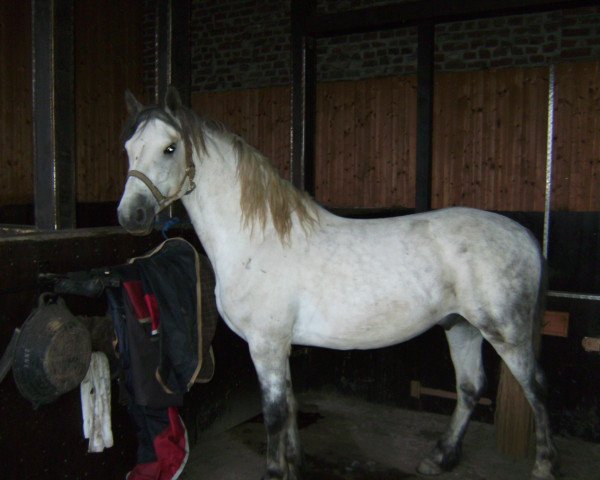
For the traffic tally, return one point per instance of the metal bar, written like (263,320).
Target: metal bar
(405,14)
(173,65)
(302,166)
(53,114)
(574,296)
(549,159)
(163,45)
(548,193)
(181,57)
(425,68)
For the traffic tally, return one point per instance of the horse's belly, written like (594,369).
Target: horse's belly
(362,329)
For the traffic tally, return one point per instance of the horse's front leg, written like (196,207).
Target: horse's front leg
(283,449)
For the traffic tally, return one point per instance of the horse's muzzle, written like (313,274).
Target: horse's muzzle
(138,217)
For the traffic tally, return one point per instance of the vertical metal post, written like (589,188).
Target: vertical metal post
(304,87)
(53,113)
(549,159)
(425,67)
(181,57)
(162,48)
(173,65)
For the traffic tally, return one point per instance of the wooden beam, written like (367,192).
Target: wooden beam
(437,11)
(425,67)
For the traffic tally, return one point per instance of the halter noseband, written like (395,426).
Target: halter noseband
(190,172)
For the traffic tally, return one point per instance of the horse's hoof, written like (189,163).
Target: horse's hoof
(441,459)
(294,473)
(544,477)
(273,476)
(291,474)
(429,467)
(545,471)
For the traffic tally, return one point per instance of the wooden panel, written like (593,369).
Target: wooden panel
(366,143)
(16,153)
(489,146)
(576,174)
(108,59)
(489,143)
(260,116)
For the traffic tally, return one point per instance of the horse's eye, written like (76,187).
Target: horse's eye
(170,149)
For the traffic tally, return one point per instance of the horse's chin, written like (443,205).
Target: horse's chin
(135,227)
(138,232)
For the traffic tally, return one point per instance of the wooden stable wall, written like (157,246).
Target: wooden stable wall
(261,116)
(489,126)
(47,443)
(108,59)
(577,156)
(489,142)
(16,152)
(366,143)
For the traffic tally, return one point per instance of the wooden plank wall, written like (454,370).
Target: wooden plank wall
(16,151)
(489,138)
(489,141)
(489,145)
(576,174)
(356,165)
(108,59)
(108,56)
(261,116)
(366,143)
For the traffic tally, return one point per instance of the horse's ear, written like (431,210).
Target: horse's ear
(172,99)
(133,106)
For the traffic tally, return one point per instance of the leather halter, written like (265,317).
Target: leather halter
(190,172)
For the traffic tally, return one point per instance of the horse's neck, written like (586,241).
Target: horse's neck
(214,207)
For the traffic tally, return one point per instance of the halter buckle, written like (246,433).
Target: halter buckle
(192,187)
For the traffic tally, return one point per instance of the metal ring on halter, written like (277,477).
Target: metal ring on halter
(160,198)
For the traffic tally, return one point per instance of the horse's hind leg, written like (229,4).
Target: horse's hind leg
(465,349)
(520,359)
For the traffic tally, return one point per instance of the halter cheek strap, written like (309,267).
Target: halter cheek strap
(163,201)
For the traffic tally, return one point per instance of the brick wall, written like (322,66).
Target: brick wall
(236,44)
(245,44)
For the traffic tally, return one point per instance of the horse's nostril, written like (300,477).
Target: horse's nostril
(140,215)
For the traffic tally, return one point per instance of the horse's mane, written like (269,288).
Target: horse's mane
(264,192)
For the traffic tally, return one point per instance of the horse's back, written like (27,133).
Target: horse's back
(457,232)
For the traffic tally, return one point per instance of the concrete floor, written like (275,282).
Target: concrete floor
(349,439)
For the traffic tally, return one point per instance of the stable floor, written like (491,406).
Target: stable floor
(349,439)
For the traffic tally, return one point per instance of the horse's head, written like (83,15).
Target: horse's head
(161,169)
